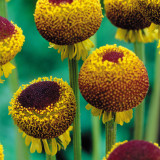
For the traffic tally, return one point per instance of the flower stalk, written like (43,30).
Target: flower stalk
(153,116)
(3,8)
(50,157)
(110,134)
(139,111)
(73,76)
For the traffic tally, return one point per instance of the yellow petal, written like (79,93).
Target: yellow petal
(58,147)
(38,145)
(107,116)
(28,140)
(80,50)
(1,71)
(46,147)
(95,111)
(144,35)
(54,146)
(88,106)
(7,69)
(33,147)
(124,116)
(71,51)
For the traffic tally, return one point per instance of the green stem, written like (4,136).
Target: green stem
(96,132)
(22,150)
(73,76)
(49,157)
(154,109)
(139,112)
(3,8)
(96,137)
(110,134)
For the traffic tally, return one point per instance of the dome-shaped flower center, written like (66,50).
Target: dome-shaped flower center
(60,1)
(112,56)
(136,150)
(6,28)
(40,95)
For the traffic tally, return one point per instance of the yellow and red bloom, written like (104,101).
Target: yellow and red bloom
(68,22)
(11,41)
(134,150)
(1,153)
(132,25)
(44,110)
(113,80)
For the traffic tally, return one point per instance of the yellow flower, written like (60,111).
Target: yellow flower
(113,80)
(126,15)
(11,41)
(7,0)
(44,111)
(68,24)
(1,153)
(134,150)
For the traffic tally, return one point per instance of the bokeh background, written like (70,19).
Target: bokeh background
(37,60)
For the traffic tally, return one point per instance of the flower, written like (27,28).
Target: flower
(134,150)
(126,15)
(11,41)
(150,9)
(44,111)
(68,22)
(113,80)
(1,153)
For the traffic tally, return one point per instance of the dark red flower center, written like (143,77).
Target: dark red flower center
(136,150)
(60,1)
(40,95)
(6,28)
(112,56)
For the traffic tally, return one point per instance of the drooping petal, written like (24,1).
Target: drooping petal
(54,146)
(7,69)
(46,146)
(124,116)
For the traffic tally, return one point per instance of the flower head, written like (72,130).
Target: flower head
(11,41)
(134,150)
(1,153)
(125,14)
(45,109)
(150,9)
(113,79)
(66,22)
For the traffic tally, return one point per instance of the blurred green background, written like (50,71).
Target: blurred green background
(37,60)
